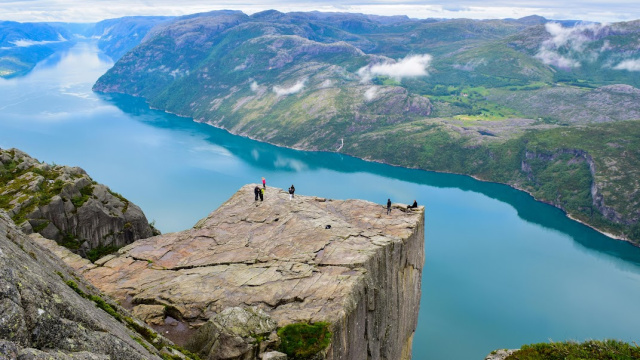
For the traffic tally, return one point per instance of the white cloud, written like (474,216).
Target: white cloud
(296,88)
(550,57)
(410,66)
(629,65)
(572,41)
(254,86)
(96,10)
(371,93)
(27,42)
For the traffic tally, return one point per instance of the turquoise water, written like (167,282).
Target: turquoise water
(501,269)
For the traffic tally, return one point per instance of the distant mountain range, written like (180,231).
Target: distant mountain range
(550,107)
(23,45)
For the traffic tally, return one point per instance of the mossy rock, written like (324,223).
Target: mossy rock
(304,340)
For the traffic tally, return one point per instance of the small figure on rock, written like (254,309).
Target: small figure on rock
(261,194)
(264,183)
(388,206)
(413,206)
(256,192)
(291,191)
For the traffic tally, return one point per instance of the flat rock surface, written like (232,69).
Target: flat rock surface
(278,255)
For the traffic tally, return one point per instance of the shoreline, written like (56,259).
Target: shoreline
(567,214)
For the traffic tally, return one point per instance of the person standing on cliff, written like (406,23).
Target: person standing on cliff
(256,192)
(388,206)
(261,191)
(264,183)
(291,191)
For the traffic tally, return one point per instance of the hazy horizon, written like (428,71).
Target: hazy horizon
(95,10)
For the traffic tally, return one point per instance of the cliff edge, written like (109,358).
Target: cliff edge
(305,260)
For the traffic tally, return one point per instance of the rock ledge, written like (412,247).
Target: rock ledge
(362,275)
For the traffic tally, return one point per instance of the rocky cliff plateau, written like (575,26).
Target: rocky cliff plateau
(279,262)
(64,204)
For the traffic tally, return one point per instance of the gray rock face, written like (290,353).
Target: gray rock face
(362,275)
(64,204)
(41,317)
(231,334)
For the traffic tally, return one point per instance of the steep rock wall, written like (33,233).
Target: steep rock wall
(303,260)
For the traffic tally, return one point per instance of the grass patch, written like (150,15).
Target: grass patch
(104,306)
(85,193)
(592,349)
(72,284)
(101,251)
(70,241)
(121,198)
(41,226)
(303,340)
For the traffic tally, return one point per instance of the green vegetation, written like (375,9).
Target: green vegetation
(70,241)
(85,193)
(104,306)
(304,340)
(72,284)
(41,226)
(101,251)
(121,198)
(184,352)
(558,160)
(593,350)
(482,75)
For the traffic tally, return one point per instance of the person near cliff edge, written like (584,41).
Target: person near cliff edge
(414,205)
(256,192)
(388,206)
(261,191)
(291,191)
(264,183)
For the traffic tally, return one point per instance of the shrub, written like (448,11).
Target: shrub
(303,340)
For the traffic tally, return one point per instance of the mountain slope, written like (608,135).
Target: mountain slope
(465,96)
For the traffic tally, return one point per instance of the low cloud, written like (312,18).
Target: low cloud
(371,93)
(27,42)
(254,86)
(284,91)
(410,66)
(568,43)
(550,57)
(629,65)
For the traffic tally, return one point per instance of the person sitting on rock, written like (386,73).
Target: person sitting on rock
(413,206)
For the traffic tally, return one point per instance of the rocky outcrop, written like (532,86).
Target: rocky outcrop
(500,354)
(64,204)
(576,156)
(41,317)
(303,260)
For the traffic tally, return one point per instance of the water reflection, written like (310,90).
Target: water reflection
(268,157)
(502,270)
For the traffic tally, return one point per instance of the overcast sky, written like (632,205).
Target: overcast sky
(95,10)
